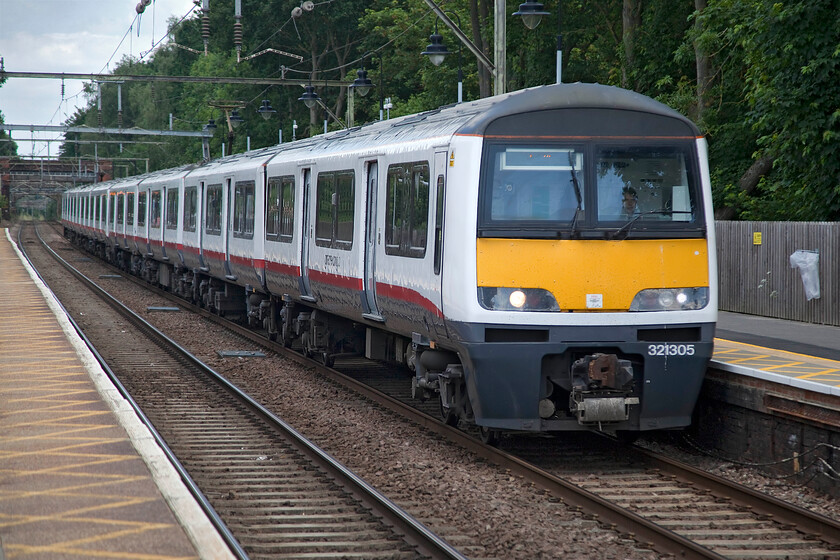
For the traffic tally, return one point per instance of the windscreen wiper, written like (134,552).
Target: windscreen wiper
(629,225)
(578,195)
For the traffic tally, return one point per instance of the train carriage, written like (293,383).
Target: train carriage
(224,237)
(159,193)
(542,260)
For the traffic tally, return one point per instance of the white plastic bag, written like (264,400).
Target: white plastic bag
(808,263)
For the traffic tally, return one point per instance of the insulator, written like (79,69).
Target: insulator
(205,27)
(237,33)
(140,8)
(308,6)
(297,12)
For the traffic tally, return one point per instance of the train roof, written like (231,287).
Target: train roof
(469,118)
(610,101)
(476,117)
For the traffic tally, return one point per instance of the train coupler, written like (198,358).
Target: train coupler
(601,389)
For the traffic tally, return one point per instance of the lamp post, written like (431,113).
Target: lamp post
(437,51)
(231,109)
(205,140)
(532,13)
(362,84)
(531,8)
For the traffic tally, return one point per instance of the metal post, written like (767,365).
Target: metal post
(460,75)
(99,103)
(559,46)
(381,99)
(500,50)
(351,102)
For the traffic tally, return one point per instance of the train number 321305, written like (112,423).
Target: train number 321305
(671,350)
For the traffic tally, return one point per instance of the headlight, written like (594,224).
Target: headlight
(670,299)
(517,299)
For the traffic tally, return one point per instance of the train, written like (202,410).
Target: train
(539,261)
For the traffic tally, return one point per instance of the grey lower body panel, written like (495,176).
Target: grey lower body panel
(510,370)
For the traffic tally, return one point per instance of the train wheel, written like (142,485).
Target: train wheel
(328,359)
(286,334)
(490,436)
(447,415)
(307,350)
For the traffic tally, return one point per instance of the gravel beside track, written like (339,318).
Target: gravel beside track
(464,499)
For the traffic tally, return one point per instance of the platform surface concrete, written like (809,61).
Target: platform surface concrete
(80,476)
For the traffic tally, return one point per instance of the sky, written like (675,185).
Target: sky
(70,36)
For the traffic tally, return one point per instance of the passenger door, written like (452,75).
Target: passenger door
(307,237)
(371,235)
(438,197)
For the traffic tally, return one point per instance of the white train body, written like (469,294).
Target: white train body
(452,241)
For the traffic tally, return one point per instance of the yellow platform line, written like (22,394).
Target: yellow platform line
(753,355)
(764,348)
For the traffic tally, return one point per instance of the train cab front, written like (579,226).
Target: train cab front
(595,305)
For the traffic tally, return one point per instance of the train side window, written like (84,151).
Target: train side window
(407,209)
(439,223)
(244,209)
(335,209)
(190,208)
(141,209)
(172,209)
(129,209)
(213,210)
(120,219)
(155,209)
(280,209)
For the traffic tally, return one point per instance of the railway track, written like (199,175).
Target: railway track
(670,507)
(271,492)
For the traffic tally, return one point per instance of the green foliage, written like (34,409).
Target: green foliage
(772,90)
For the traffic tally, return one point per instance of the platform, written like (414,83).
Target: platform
(789,353)
(80,476)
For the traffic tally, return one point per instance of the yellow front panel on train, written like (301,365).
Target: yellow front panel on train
(573,269)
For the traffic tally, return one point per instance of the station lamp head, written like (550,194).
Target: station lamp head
(436,51)
(362,85)
(266,110)
(309,97)
(235,119)
(531,12)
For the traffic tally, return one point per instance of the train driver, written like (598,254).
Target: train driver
(629,203)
